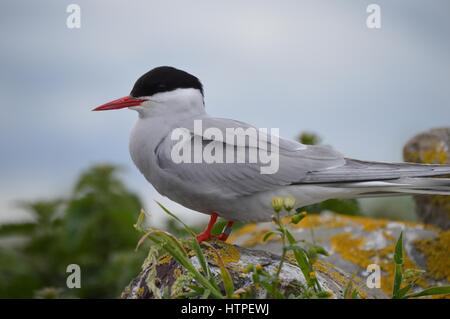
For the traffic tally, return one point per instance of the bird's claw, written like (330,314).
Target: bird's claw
(223,237)
(204,237)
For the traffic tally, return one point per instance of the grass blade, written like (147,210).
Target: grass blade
(398,256)
(398,276)
(176,250)
(226,277)
(168,212)
(268,235)
(441,290)
(201,258)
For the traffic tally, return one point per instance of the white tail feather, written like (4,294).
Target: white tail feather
(407,185)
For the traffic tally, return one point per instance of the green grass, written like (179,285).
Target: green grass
(403,284)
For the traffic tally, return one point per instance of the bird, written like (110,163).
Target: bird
(168,99)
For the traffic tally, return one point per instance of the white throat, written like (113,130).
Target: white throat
(158,116)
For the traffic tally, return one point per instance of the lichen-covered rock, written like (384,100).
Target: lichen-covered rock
(431,147)
(356,242)
(352,242)
(163,277)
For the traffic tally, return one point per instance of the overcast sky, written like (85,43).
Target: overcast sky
(294,65)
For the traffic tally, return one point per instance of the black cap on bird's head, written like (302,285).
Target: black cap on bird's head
(164,79)
(158,80)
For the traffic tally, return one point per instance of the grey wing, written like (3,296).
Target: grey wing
(295,161)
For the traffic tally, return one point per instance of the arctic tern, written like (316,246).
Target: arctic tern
(167,99)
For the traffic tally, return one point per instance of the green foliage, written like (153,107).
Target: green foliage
(404,281)
(309,138)
(398,272)
(350,291)
(91,228)
(205,284)
(302,256)
(341,206)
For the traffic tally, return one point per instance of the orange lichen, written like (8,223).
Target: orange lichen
(368,224)
(437,255)
(336,221)
(257,238)
(246,229)
(388,235)
(352,249)
(228,253)
(435,152)
(254,235)
(311,221)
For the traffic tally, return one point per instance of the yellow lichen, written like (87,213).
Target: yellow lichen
(181,284)
(438,156)
(337,221)
(368,224)
(140,292)
(254,235)
(229,254)
(246,229)
(436,153)
(312,221)
(330,270)
(257,238)
(177,272)
(388,235)
(351,248)
(165,259)
(437,255)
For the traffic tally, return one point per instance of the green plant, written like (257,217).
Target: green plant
(303,257)
(350,291)
(342,206)
(309,138)
(405,280)
(91,227)
(205,283)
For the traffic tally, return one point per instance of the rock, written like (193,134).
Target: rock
(353,244)
(166,276)
(431,147)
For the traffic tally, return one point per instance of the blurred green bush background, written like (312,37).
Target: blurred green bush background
(93,228)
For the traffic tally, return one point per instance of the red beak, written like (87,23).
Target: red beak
(121,103)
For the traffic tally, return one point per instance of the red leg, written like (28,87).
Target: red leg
(226,231)
(206,234)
